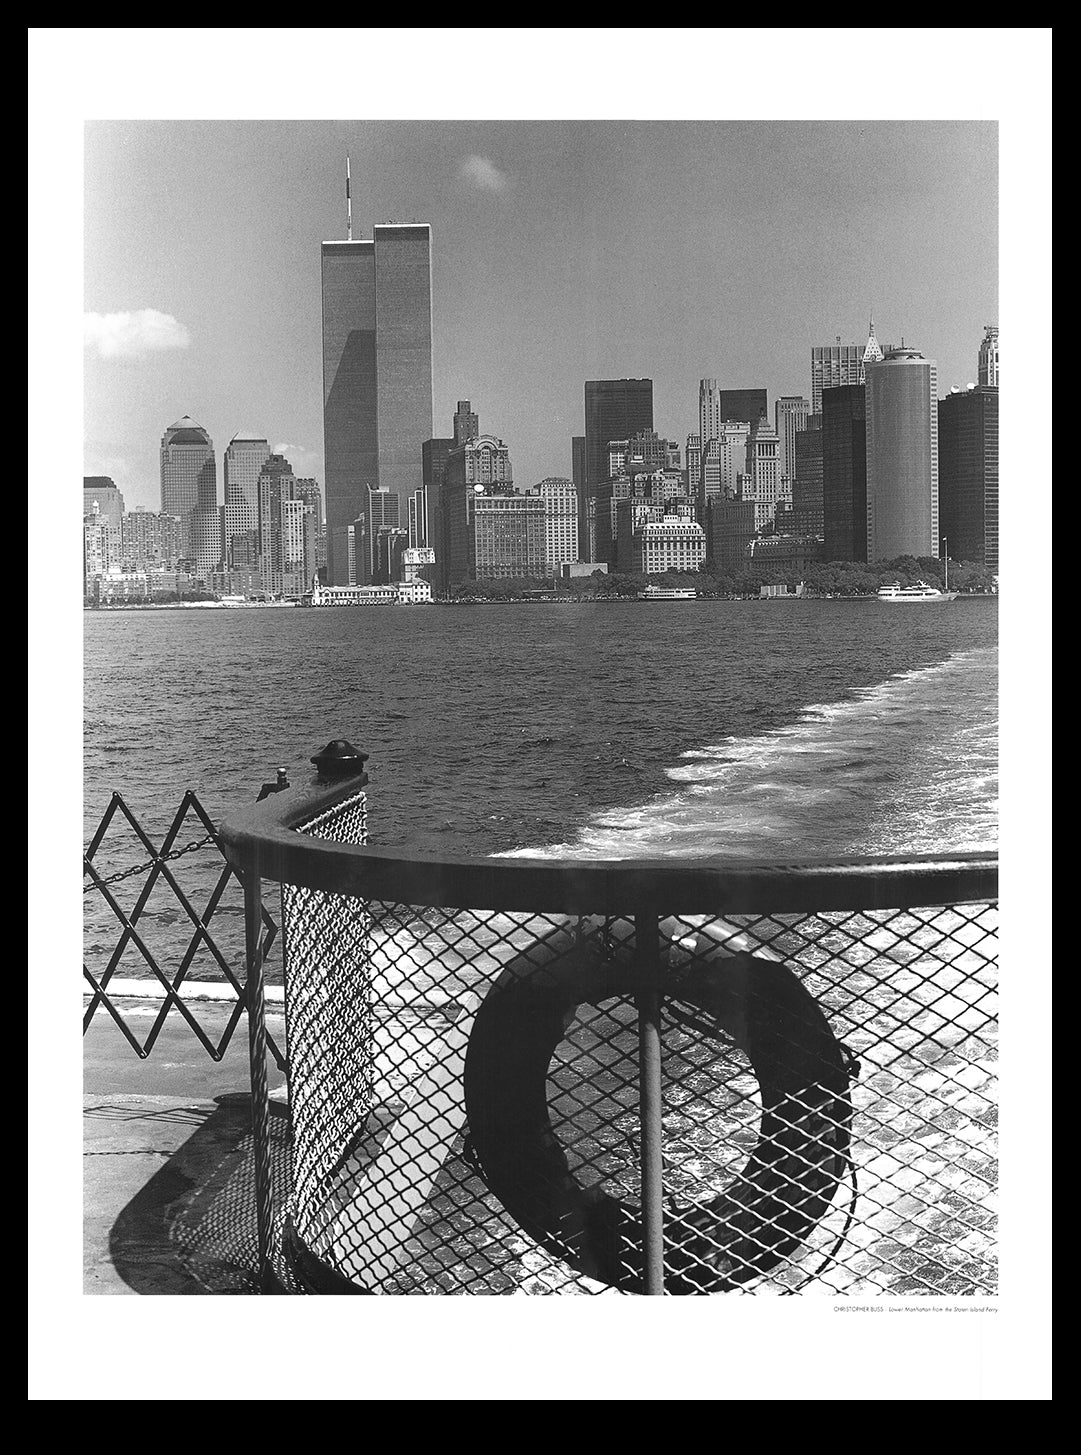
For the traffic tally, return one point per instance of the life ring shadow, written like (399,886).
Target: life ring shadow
(766,1214)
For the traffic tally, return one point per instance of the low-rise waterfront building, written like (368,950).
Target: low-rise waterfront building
(397,593)
(792,554)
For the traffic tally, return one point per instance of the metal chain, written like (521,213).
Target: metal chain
(160,859)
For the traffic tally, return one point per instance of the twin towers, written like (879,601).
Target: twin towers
(377,373)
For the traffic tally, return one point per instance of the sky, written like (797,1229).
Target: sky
(707,237)
(561,251)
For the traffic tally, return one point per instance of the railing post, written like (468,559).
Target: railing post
(648,1004)
(257,1052)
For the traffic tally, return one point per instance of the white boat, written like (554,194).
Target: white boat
(667,593)
(919,592)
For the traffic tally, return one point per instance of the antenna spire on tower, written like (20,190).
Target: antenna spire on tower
(348,206)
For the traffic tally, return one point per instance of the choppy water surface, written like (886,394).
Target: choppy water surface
(753,729)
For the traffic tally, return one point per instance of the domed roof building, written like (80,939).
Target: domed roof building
(189,487)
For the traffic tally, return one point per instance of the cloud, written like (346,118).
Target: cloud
(483,174)
(127,335)
(307,464)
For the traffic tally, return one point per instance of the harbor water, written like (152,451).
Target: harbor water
(746,729)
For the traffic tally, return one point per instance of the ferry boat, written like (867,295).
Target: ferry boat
(668,593)
(894,591)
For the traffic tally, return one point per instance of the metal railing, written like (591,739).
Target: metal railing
(180,953)
(665,1077)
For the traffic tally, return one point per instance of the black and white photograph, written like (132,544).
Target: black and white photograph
(533,710)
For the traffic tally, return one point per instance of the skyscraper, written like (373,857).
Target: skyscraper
(308,490)
(844,473)
(807,486)
(276,485)
(244,458)
(466,423)
(478,467)
(561,521)
(762,482)
(902,456)
(722,406)
(377,372)
(872,353)
(790,416)
(418,517)
(968,474)
(615,410)
(189,481)
(988,360)
(578,475)
(748,405)
(381,511)
(833,365)
(100,490)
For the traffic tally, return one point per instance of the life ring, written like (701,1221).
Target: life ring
(788,1183)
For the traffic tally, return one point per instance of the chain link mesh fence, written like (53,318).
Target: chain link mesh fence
(466,1108)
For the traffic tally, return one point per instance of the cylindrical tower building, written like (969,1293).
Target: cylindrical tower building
(902,456)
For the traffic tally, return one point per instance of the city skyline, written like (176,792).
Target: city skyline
(520,322)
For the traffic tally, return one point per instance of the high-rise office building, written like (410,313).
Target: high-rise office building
(987,377)
(418,518)
(561,521)
(807,486)
(844,473)
(297,546)
(101,491)
(872,352)
(377,372)
(308,490)
(717,407)
(391,543)
(730,529)
(150,541)
(693,456)
(724,460)
(244,458)
(709,410)
(206,543)
(506,535)
(832,366)
(476,468)
(466,423)
(902,456)
(615,409)
(968,474)
(434,454)
(645,451)
(578,475)
(275,486)
(381,511)
(748,405)
(789,416)
(189,481)
(762,482)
